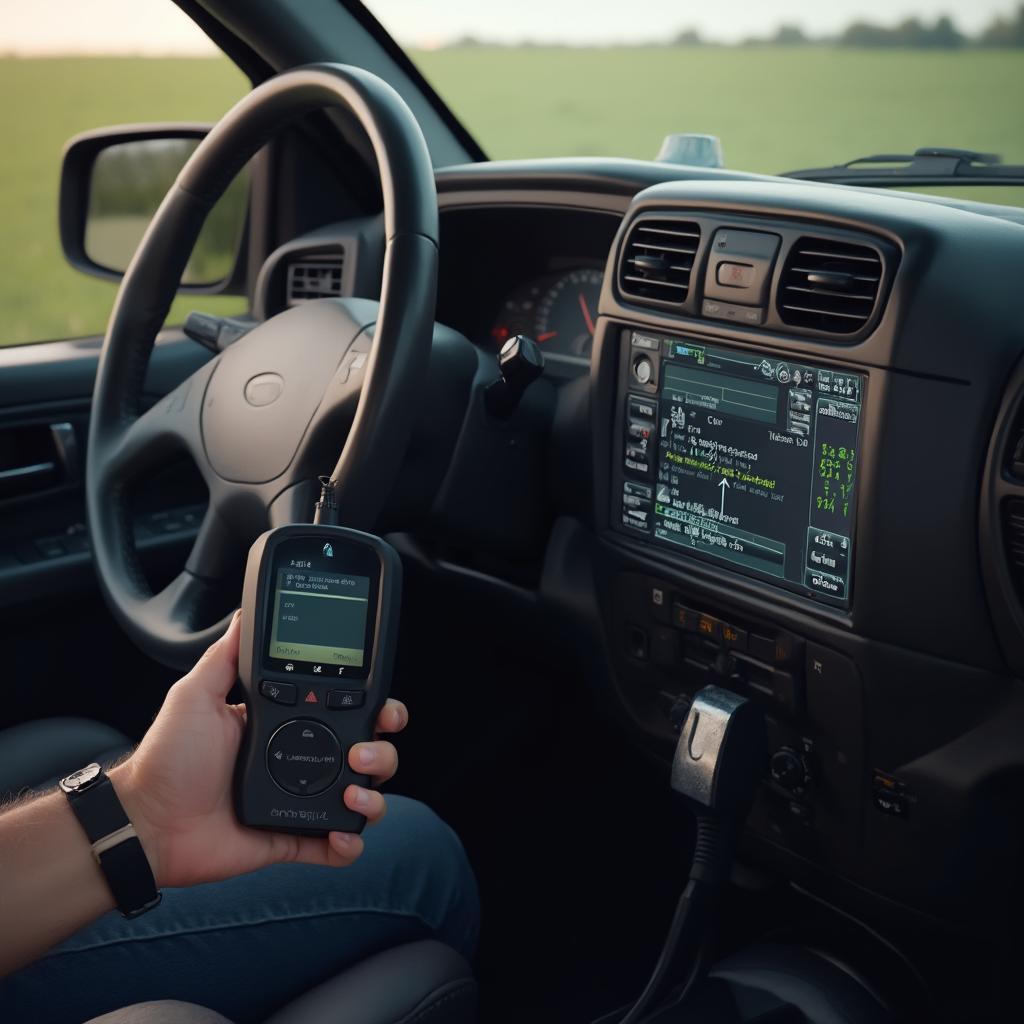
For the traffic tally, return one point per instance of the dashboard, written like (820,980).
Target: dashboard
(788,412)
(777,448)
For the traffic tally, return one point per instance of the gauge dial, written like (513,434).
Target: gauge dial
(518,314)
(567,311)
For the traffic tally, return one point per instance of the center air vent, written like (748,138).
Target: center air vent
(829,286)
(657,260)
(314,278)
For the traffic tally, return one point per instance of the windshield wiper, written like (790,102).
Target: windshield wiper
(931,165)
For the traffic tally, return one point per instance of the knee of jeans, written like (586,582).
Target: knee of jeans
(429,867)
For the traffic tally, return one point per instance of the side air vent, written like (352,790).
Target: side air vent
(658,259)
(314,278)
(829,286)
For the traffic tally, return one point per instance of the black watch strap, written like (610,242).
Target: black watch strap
(115,845)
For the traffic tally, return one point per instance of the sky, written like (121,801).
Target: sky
(33,27)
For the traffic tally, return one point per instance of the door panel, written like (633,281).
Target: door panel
(63,650)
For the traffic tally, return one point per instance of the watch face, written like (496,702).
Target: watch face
(80,779)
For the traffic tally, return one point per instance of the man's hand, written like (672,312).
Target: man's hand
(176,787)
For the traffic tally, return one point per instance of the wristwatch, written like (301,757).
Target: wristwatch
(115,844)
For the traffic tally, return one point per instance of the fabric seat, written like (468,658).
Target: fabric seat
(34,755)
(419,983)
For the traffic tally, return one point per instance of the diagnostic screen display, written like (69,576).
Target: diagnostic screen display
(754,464)
(318,622)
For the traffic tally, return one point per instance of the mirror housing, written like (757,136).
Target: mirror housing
(113,180)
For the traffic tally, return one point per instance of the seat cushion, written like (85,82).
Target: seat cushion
(422,982)
(36,754)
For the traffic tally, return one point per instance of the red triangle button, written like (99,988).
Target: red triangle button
(311,697)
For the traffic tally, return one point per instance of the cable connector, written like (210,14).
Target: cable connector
(326,509)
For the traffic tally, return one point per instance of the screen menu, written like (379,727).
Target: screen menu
(318,622)
(748,460)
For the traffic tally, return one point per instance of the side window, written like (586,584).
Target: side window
(64,70)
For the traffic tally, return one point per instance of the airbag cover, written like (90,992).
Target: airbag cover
(268,385)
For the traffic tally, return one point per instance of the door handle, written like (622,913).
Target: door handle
(27,472)
(49,458)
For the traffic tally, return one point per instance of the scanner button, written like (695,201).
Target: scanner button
(344,699)
(304,757)
(279,693)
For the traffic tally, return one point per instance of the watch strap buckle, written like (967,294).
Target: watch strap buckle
(113,839)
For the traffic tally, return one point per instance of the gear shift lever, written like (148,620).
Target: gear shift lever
(720,757)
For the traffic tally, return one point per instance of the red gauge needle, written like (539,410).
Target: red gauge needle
(547,335)
(588,320)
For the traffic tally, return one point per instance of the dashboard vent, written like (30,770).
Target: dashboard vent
(314,278)
(658,259)
(829,286)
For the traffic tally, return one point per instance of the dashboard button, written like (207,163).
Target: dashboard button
(761,647)
(732,311)
(636,518)
(735,275)
(734,637)
(660,605)
(788,648)
(708,626)
(777,687)
(642,409)
(664,647)
(645,341)
(824,583)
(279,693)
(684,618)
(636,495)
(643,370)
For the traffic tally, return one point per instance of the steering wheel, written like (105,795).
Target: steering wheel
(268,414)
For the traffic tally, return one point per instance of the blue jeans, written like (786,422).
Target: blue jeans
(246,946)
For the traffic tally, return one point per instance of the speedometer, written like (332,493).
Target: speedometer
(567,311)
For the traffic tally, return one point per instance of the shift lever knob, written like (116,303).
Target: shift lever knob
(521,362)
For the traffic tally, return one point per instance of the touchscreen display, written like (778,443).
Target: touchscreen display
(754,465)
(319,617)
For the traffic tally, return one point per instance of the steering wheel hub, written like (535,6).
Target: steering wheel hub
(268,386)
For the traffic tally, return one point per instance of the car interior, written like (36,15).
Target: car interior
(637,429)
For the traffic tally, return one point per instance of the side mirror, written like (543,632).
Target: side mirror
(113,180)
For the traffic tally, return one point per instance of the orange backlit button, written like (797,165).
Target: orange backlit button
(733,637)
(684,618)
(710,627)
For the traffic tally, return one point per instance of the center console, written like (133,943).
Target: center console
(733,463)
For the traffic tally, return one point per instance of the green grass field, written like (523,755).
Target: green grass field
(775,109)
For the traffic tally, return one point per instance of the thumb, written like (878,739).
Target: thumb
(217,670)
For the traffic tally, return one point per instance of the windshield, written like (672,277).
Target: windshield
(784,84)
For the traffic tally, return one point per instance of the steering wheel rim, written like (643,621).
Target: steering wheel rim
(123,444)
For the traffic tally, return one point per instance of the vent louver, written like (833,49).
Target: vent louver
(829,286)
(658,259)
(318,278)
